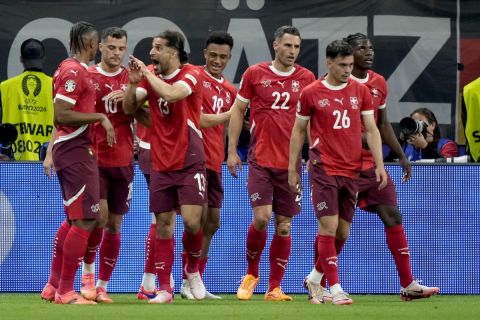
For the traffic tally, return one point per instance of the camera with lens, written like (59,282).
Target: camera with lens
(8,135)
(410,126)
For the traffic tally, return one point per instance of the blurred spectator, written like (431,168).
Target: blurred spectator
(471,118)
(26,102)
(421,138)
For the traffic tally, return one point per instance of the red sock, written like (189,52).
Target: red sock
(109,251)
(202,264)
(279,254)
(184,264)
(164,255)
(150,250)
(93,244)
(57,259)
(255,244)
(397,243)
(192,244)
(327,255)
(318,265)
(74,249)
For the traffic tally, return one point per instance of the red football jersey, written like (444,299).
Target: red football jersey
(143,133)
(378,89)
(176,140)
(72,83)
(121,153)
(273,96)
(335,124)
(217,97)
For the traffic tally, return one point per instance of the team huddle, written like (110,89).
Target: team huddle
(181,150)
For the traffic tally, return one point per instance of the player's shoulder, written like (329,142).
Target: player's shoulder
(314,86)
(72,68)
(304,71)
(376,78)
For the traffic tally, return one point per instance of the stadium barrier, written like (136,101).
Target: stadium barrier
(440,206)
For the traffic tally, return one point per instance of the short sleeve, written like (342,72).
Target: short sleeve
(70,84)
(245,91)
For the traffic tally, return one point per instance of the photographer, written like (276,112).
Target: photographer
(421,137)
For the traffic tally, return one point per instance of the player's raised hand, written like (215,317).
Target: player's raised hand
(107,125)
(135,74)
(294,182)
(138,64)
(382,177)
(234,162)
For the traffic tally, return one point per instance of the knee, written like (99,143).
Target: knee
(391,216)
(261,223)
(283,228)
(342,234)
(211,227)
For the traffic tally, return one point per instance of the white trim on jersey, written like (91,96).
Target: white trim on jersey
(332,87)
(383,106)
(192,125)
(253,126)
(108,74)
(239,97)
(144,145)
(302,117)
(186,85)
(281,73)
(75,197)
(72,135)
(317,141)
(361,80)
(191,78)
(221,80)
(64,98)
(171,75)
(366,112)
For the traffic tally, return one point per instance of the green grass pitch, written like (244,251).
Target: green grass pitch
(16,306)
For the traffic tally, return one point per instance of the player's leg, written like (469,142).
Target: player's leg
(148,289)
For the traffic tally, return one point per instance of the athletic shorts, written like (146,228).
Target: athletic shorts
(332,195)
(171,189)
(116,187)
(369,195)
(144,160)
(80,189)
(269,186)
(214,189)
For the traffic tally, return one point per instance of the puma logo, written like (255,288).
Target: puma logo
(251,254)
(74,72)
(160,265)
(109,86)
(219,89)
(339,101)
(281,83)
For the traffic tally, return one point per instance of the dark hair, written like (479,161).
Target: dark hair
(114,32)
(338,48)
(353,39)
(427,113)
(286,29)
(219,37)
(79,34)
(175,40)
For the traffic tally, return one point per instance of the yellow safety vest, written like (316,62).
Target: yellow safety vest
(471,96)
(27,103)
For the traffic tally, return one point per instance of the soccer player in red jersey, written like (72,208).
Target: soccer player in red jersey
(115,163)
(218,95)
(384,202)
(75,162)
(272,90)
(178,157)
(336,107)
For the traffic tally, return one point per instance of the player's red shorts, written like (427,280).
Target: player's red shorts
(80,189)
(332,195)
(214,189)
(369,195)
(171,189)
(116,187)
(269,186)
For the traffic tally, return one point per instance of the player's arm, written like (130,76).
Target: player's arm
(48,165)
(142,115)
(234,129)
(388,136)
(374,142)
(133,99)
(296,143)
(208,120)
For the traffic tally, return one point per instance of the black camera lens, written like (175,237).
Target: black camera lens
(8,134)
(408,126)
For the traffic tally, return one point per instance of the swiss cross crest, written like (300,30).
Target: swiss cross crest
(228,98)
(295,86)
(354,102)
(266,83)
(123,86)
(375,92)
(207,84)
(96,86)
(322,103)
